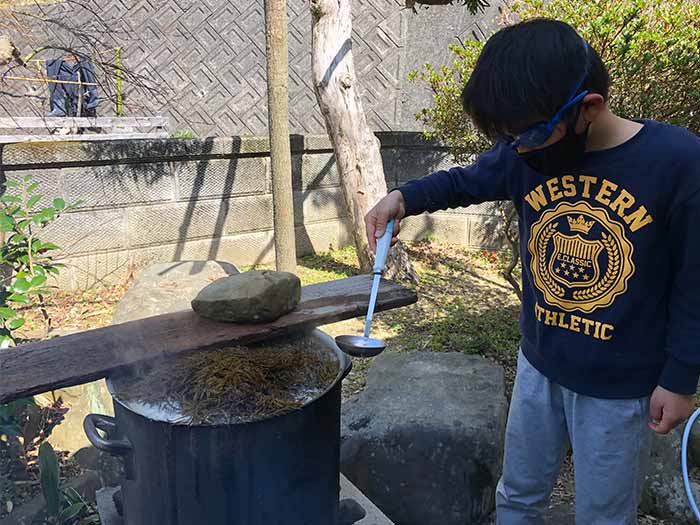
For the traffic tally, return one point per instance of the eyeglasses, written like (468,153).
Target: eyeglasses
(540,133)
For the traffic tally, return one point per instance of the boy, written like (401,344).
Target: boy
(611,267)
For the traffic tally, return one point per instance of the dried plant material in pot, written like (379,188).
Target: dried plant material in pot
(237,384)
(249,297)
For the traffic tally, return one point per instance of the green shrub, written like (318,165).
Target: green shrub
(650,48)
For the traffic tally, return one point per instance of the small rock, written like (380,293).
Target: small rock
(250,297)
(109,514)
(108,467)
(424,440)
(664,493)
(350,512)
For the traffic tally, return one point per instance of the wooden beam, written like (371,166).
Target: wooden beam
(79,358)
(81,122)
(14,139)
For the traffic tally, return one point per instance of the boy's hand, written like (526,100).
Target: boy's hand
(391,206)
(668,409)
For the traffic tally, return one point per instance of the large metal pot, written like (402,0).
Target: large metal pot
(282,470)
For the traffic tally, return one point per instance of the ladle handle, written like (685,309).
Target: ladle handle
(383,245)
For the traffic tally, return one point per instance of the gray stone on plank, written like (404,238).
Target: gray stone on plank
(424,440)
(249,297)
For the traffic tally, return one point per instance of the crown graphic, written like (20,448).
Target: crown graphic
(579,224)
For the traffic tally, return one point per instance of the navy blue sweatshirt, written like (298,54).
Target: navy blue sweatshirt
(611,259)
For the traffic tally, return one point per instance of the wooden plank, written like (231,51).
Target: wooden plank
(14,139)
(81,122)
(74,359)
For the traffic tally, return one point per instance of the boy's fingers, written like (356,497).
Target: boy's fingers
(656,409)
(397,230)
(380,226)
(370,226)
(666,425)
(655,413)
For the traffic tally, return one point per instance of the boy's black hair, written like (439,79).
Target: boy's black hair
(526,73)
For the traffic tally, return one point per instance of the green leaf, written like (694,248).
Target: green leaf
(11,184)
(11,430)
(21,285)
(37,280)
(27,178)
(16,324)
(49,472)
(7,313)
(6,223)
(10,199)
(71,512)
(33,200)
(48,246)
(23,402)
(18,298)
(59,203)
(32,187)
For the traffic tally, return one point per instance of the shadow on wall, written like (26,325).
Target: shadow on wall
(204,198)
(182,199)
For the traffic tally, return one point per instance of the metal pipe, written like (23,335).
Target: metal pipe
(50,81)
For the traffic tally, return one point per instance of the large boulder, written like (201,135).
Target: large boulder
(169,287)
(424,440)
(664,493)
(250,297)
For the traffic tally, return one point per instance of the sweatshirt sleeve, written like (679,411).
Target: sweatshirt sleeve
(682,367)
(483,181)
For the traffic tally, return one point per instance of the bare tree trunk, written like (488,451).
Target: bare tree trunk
(278,119)
(356,147)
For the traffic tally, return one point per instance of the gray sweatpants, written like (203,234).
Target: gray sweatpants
(610,440)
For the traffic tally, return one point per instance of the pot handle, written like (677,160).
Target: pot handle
(108,425)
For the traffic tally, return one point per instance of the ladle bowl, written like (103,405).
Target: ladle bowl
(360,346)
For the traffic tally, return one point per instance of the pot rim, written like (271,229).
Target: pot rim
(344,367)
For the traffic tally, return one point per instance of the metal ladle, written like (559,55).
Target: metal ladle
(366,346)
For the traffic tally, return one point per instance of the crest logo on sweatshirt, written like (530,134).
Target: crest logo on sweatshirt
(581,258)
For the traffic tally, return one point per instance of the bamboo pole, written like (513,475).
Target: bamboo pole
(51,81)
(118,63)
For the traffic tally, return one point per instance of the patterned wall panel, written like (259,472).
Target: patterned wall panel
(207,59)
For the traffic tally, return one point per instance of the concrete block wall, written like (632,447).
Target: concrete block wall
(167,200)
